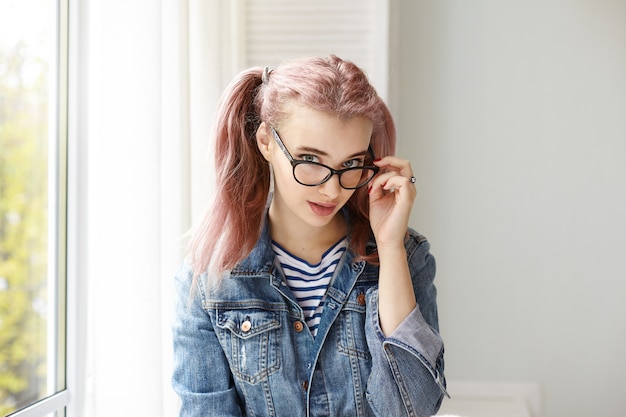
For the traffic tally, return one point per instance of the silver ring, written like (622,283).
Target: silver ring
(412,179)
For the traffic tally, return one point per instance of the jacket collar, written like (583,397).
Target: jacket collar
(261,258)
(260,261)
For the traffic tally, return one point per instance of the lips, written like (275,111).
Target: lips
(322,209)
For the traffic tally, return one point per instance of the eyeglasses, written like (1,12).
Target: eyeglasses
(312,173)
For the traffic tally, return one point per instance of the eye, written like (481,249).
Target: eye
(353,163)
(308,158)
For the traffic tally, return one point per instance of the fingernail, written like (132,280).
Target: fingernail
(377,159)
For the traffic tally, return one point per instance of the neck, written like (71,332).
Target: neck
(304,241)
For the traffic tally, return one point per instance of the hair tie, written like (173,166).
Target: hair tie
(266,75)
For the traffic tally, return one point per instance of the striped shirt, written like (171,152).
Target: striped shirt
(309,282)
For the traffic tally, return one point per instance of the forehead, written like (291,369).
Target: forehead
(305,126)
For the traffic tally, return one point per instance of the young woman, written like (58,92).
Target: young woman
(305,293)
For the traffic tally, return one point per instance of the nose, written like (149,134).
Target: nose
(331,188)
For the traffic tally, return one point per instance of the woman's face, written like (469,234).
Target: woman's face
(312,135)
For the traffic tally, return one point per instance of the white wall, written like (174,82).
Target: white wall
(514,115)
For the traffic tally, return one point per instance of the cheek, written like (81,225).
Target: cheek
(281,167)
(348,194)
(284,181)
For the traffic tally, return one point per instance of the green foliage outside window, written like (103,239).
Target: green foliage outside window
(23,228)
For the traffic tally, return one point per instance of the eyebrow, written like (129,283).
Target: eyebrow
(322,153)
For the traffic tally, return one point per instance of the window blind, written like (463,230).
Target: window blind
(276,30)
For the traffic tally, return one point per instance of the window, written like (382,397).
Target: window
(32,207)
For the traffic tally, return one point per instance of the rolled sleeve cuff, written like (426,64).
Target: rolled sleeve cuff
(415,336)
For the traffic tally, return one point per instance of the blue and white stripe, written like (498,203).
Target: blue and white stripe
(309,282)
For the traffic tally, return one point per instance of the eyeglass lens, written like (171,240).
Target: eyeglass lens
(315,174)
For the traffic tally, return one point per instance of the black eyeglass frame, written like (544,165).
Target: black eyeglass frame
(339,172)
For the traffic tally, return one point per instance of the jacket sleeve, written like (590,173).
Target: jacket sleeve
(407,367)
(201,376)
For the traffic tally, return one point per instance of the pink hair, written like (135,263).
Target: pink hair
(233,225)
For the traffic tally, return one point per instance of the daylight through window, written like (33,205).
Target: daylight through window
(32,205)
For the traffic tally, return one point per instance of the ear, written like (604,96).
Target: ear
(263,140)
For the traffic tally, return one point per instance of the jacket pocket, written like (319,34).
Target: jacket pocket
(249,338)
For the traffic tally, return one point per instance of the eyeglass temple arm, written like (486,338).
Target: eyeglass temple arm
(281,145)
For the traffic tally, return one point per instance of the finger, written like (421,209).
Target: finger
(391,183)
(377,186)
(392,163)
(401,185)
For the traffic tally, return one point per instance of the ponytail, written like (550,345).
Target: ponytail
(232,226)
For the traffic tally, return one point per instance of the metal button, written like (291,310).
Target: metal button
(246,326)
(305,385)
(361,299)
(298,326)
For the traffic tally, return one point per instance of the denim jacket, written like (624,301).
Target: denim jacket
(243,348)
